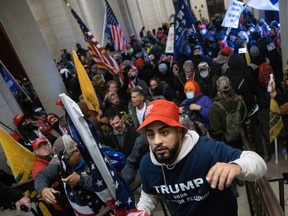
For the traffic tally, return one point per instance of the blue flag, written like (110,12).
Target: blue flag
(184,19)
(10,81)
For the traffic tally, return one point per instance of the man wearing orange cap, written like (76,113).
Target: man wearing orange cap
(192,174)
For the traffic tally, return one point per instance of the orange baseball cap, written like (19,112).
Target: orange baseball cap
(164,111)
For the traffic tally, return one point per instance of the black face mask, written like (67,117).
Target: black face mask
(197,56)
(28,127)
(55,125)
(156,91)
(132,77)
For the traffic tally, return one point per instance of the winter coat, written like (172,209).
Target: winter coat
(217,121)
(201,115)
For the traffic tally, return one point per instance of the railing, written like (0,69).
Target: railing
(262,200)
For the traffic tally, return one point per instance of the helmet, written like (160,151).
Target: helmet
(37,142)
(18,118)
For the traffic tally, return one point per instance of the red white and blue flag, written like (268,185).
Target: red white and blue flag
(107,184)
(98,53)
(114,30)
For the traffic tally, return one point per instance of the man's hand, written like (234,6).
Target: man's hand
(23,201)
(273,94)
(181,110)
(72,179)
(221,175)
(48,195)
(175,69)
(194,107)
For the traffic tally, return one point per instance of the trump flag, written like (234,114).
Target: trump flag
(184,19)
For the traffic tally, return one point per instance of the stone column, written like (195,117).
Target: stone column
(32,51)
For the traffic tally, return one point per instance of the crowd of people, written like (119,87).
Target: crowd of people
(167,110)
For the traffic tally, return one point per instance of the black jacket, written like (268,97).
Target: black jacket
(9,194)
(130,134)
(242,82)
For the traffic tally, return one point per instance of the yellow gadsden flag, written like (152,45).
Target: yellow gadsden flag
(87,89)
(276,123)
(20,159)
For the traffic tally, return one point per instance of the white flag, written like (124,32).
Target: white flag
(232,16)
(264,4)
(170,41)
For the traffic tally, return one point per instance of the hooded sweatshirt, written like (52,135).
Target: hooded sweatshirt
(183,184)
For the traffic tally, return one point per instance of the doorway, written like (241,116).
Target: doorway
(215,7)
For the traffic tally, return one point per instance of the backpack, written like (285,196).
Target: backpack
(264,71)
(233,122)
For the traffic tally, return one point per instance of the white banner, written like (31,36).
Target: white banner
(170,41)
(232,16)
(264,4)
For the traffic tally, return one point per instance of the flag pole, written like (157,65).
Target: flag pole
(16,81)
(104,22)
(66,2)
(82,128)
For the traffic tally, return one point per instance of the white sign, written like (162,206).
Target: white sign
(232,16)
(170,41)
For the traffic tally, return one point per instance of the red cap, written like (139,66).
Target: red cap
(59,102)
(50,118)
(37,142)
(18,118)
(164,111)
(139,63)
(226,50)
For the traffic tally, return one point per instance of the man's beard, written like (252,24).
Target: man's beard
(171,157)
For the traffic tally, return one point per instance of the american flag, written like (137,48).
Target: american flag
(98,53)
(113,28)
(122,200)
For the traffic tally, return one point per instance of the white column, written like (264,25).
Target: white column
(32,51)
